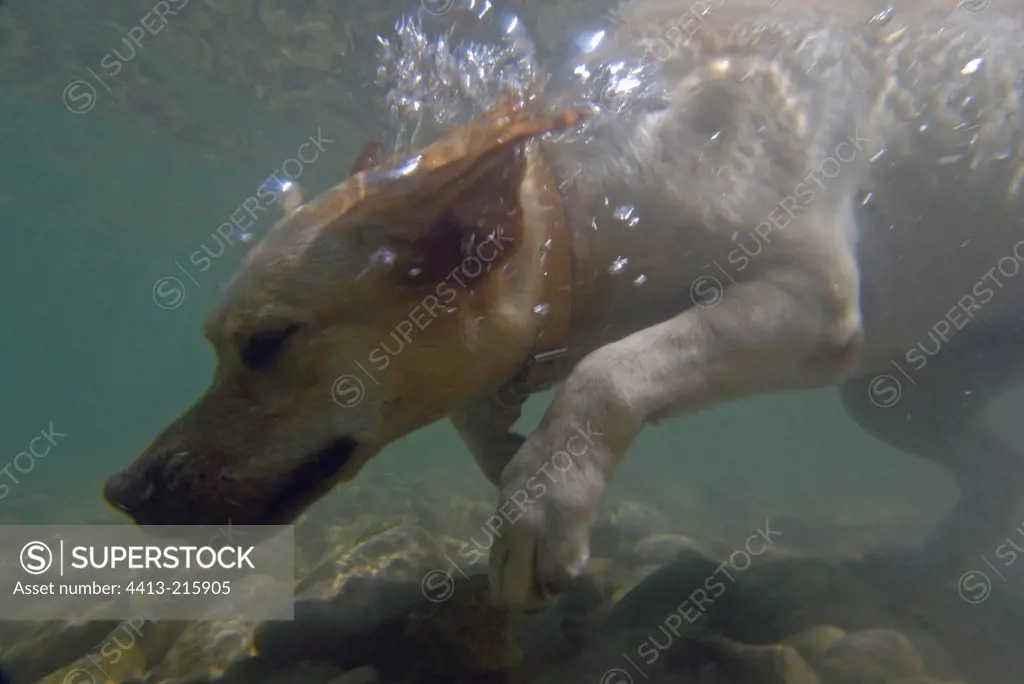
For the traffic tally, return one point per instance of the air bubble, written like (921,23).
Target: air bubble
(618,266)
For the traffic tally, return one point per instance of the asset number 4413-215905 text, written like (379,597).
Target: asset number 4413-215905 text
(179,588)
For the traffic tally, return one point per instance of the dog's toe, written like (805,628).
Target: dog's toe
(512,568)
(560,562)
(529,566)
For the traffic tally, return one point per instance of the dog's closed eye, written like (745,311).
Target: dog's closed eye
(261,349)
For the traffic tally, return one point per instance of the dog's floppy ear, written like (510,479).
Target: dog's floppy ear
(291,196)
(473,159)
(371,156)
(437,206)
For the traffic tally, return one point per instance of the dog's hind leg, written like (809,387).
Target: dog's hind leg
(941,417)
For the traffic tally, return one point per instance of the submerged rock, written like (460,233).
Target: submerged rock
(815,642)
(666,657)
(394,602)
(825,539)
(938,659)
(620,525)
(737,663)
(785,597)
(358,598)
(562,627)
(665,548)
(811,608)
(254,671)
(465,634)
(669,590)
(106,662)
(360,675)
(54,645)
(206,649)
(317,539)
(622,581)
(402,553)
(871,656)
(397,627)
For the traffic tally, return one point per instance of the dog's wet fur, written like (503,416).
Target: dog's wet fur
(727,123)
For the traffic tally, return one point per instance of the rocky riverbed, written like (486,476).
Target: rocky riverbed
(390,589)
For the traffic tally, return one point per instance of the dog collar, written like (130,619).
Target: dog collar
(540,371)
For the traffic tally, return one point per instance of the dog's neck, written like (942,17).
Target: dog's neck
(548,229)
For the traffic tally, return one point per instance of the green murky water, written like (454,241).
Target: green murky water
(98,212)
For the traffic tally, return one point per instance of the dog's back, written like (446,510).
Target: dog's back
(723,110)
(932,89)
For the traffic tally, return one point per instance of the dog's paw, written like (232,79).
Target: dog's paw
(548,506)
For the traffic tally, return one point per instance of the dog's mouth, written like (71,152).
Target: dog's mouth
(163,491)
(309,481)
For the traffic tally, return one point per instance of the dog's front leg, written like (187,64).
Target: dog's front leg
(492,447)
(791,327)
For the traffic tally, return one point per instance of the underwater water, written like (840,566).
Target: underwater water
(111,261)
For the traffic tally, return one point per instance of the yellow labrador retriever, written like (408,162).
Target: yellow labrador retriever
(749,199)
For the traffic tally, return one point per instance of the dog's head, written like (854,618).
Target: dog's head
(380,306)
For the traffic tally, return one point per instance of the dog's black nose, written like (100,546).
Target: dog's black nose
(130,490)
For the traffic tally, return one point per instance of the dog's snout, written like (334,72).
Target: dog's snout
(131,490)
